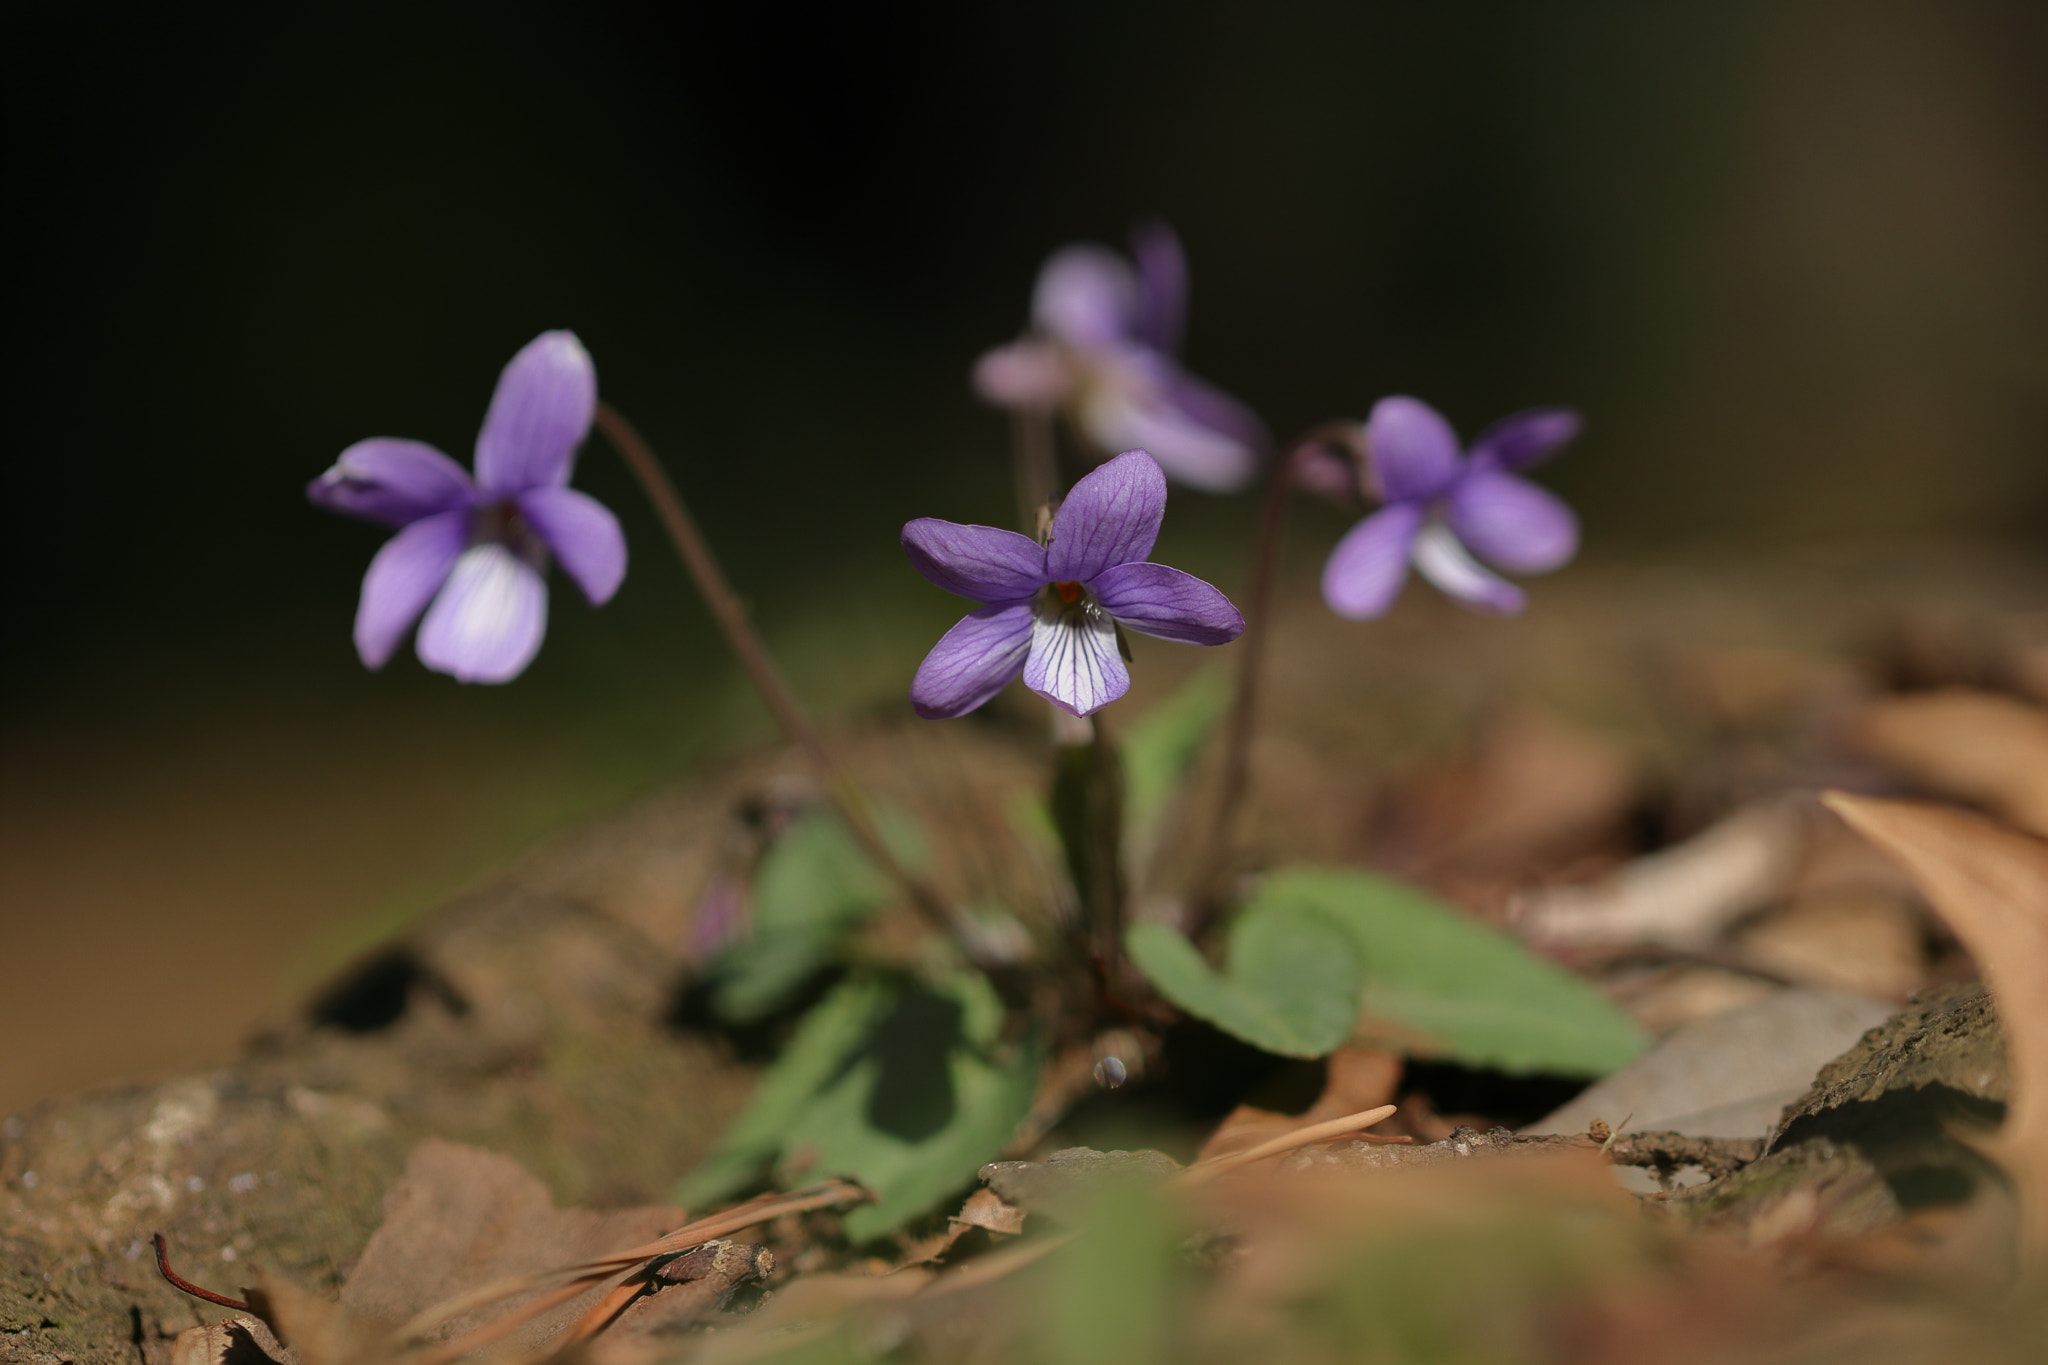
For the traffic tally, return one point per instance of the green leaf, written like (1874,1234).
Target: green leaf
(814,886)
(1158,751)
(1291,986)
(1114,1296)
(1438,982)
(899,1085)
(829,1034)
(919,1108)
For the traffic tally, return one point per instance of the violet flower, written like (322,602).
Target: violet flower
(1051,611)
(1102,345)
(1442,508)
(471,554)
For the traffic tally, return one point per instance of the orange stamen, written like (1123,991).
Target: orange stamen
(1069,591)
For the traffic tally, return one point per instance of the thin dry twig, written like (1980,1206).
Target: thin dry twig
(566,1281)
(1286,1142)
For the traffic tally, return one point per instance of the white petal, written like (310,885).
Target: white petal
(487,624)
(1075,663)
(1443,560)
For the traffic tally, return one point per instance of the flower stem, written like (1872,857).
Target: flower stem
(1033,452)
(1258,610)
(731,615)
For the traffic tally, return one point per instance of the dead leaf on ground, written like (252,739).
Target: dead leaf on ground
(986,1209)
(1359,1078)
(319,1331)
(1684,896)
(1864,942)
(241,1340)
(1976,746)
(1991,884)
(461,1217)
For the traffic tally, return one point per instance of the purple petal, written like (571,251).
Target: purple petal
(1191,453)
(1414,452)
(1111,517)
(584,535)
(1211,407)
(972,662)
(1025,374)
(487,623)
(1086,296)
(404,576)
(1525,438)
(1512,523)
(1075,663)
(1369,565)
(983,563)
(393,481)
(1443,561)
(1161,317)
(539,415)
(1155,600)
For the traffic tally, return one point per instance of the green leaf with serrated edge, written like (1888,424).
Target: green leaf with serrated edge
(1290,984)
(919,1108)
(1158,751)
(828,1035)
(1445,984)
(814,886)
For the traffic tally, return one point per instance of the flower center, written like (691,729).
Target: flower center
(1066,599)
(501,523)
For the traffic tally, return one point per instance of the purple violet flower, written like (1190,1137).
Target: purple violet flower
(1102,343)
(1443,507)
(471,554)
(1051,611)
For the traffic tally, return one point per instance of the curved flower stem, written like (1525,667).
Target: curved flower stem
(1237,732)
(1034,454)
(731,615)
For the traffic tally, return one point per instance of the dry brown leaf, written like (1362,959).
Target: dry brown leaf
(1977,746)
(241,1340)
(461,1217)
(986,1209)
(1684,896)
(1863,942)
(320,1331)
(1991,885)
(1359,1078)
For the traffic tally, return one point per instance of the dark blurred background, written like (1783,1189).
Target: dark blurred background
(1791,258)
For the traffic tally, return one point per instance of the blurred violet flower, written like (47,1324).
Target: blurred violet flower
(471,553)
(1442,507)
(1051,611)
(1102,344)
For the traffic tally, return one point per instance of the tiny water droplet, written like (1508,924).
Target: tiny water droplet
(1110,1073)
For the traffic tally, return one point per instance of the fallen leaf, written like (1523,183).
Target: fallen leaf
(1976,746)
(986,1209)
(240,1340)
(1991,885)
(1728,1076)
(1684,896)
(320,1331)
(1863,942)
(460,1217)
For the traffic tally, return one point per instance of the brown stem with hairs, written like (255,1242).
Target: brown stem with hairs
(1258,607)
(1034,454)
(731,614)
